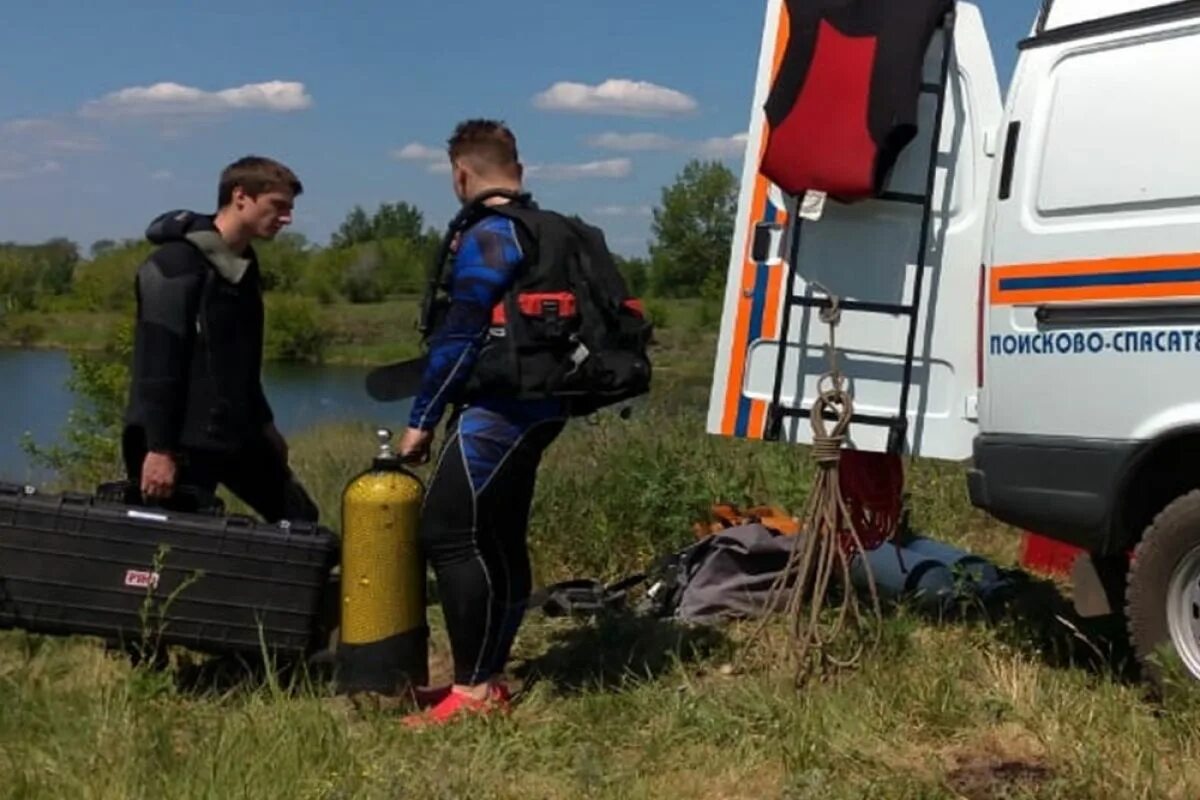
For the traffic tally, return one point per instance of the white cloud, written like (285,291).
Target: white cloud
(31,147)
(437,163)
(715,147)
(161,175)
(15,167)
(174,98)
(615,96)
(624,211)
(610,168)
(27,125)
(721,146)
(415,151)
(46,135)
(75,143)
(633,142)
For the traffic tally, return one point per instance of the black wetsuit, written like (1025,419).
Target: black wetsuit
(196,389)
(473,527)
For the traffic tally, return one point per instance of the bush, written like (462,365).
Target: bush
(709,315)
(636,272)
(282,262)
(362,280)
(100,383)
(18,284)
(295,330)
(404,265)
(659,312)
(323,275)
(106,283)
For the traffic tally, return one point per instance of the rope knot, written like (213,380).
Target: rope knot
(827,450)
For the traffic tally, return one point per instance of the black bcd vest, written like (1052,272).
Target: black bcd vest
(568,328)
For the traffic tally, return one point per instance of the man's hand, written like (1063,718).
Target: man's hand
(276,440)
(158,475)
(414,445)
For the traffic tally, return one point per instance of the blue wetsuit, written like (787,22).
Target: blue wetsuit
(476,514)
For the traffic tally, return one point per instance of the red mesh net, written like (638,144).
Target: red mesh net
(872,487)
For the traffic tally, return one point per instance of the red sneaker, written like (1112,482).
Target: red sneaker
(456,704)
(428,696)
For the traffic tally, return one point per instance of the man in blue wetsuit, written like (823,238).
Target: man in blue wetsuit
(476,513)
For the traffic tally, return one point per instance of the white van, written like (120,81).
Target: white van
(1056,342)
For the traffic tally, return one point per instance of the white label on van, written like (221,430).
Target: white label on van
(141,579)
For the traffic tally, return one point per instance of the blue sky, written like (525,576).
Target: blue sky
(115,111)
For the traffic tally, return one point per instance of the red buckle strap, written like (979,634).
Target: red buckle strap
(546,304)
(539,305)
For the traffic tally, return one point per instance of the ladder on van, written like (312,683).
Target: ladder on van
(897,425)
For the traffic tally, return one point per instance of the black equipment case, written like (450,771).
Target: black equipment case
(90,565)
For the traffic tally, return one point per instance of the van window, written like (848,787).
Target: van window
(1120,132)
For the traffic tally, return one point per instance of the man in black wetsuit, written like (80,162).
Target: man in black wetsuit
(197,415)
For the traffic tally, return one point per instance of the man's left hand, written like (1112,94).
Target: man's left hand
(276,440)
(414,445)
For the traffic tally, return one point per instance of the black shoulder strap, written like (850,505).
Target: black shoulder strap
(471,212)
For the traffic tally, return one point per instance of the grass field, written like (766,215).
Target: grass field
(1022,702)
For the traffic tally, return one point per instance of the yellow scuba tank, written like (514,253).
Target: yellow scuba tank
(383,643)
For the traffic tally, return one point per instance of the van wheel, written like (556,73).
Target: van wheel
(1163,593)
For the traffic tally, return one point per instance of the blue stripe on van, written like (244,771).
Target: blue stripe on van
(757,308)
(1184,275)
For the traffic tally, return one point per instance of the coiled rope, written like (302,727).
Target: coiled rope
(829,540)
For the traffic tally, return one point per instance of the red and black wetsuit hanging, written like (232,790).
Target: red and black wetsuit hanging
(844,101)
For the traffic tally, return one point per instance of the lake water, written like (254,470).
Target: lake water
(37,400)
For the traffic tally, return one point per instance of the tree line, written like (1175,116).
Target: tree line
(378,254)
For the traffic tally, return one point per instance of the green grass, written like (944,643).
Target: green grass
(374,333)
(59,330)
(1025,701)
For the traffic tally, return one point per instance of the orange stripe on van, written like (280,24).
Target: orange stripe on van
(781,39)
(770,329)
(1129,278)
(741,337)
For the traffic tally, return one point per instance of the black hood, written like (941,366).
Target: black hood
(199,231)
(174,226)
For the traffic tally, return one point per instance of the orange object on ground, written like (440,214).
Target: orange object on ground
(725,516)
(872,487)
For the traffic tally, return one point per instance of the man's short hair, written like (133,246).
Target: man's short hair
(488,142)
(256,175)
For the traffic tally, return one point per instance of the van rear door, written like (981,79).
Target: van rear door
(867,252)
